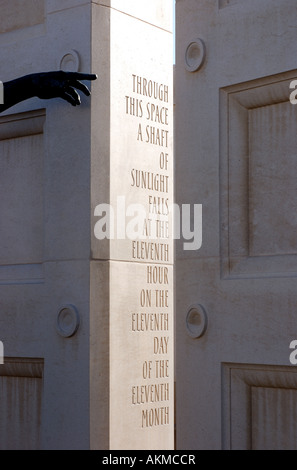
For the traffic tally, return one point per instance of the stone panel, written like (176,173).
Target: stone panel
(274,409)
(272,181)
(259,407)
(20,404)
(21,198)
(19,14)
(258,189)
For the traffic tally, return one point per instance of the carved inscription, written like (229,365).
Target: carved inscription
(154,318)
(144,105)
(148,102)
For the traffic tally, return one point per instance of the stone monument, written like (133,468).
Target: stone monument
(86,254)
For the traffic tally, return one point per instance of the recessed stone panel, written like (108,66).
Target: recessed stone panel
(274,409)
(20,405)
(21,200)
(259,407)
(258,188)
(272,180)
(18,14)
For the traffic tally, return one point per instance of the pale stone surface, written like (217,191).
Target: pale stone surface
(234,145)
(20,406)
(131,154)
(141,356)
(56,5)
(272,200)
(260,411)
(18,14)
(58,164)
(21,229)
(32,294)
(155,12)
(141,134)
(118,151)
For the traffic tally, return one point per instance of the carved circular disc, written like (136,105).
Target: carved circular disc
(195,55)
(196,321)
(70,62)
(68,321)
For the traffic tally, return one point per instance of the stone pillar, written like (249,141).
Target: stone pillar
(131,274)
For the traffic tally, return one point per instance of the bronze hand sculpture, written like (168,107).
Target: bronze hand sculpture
(46,85)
